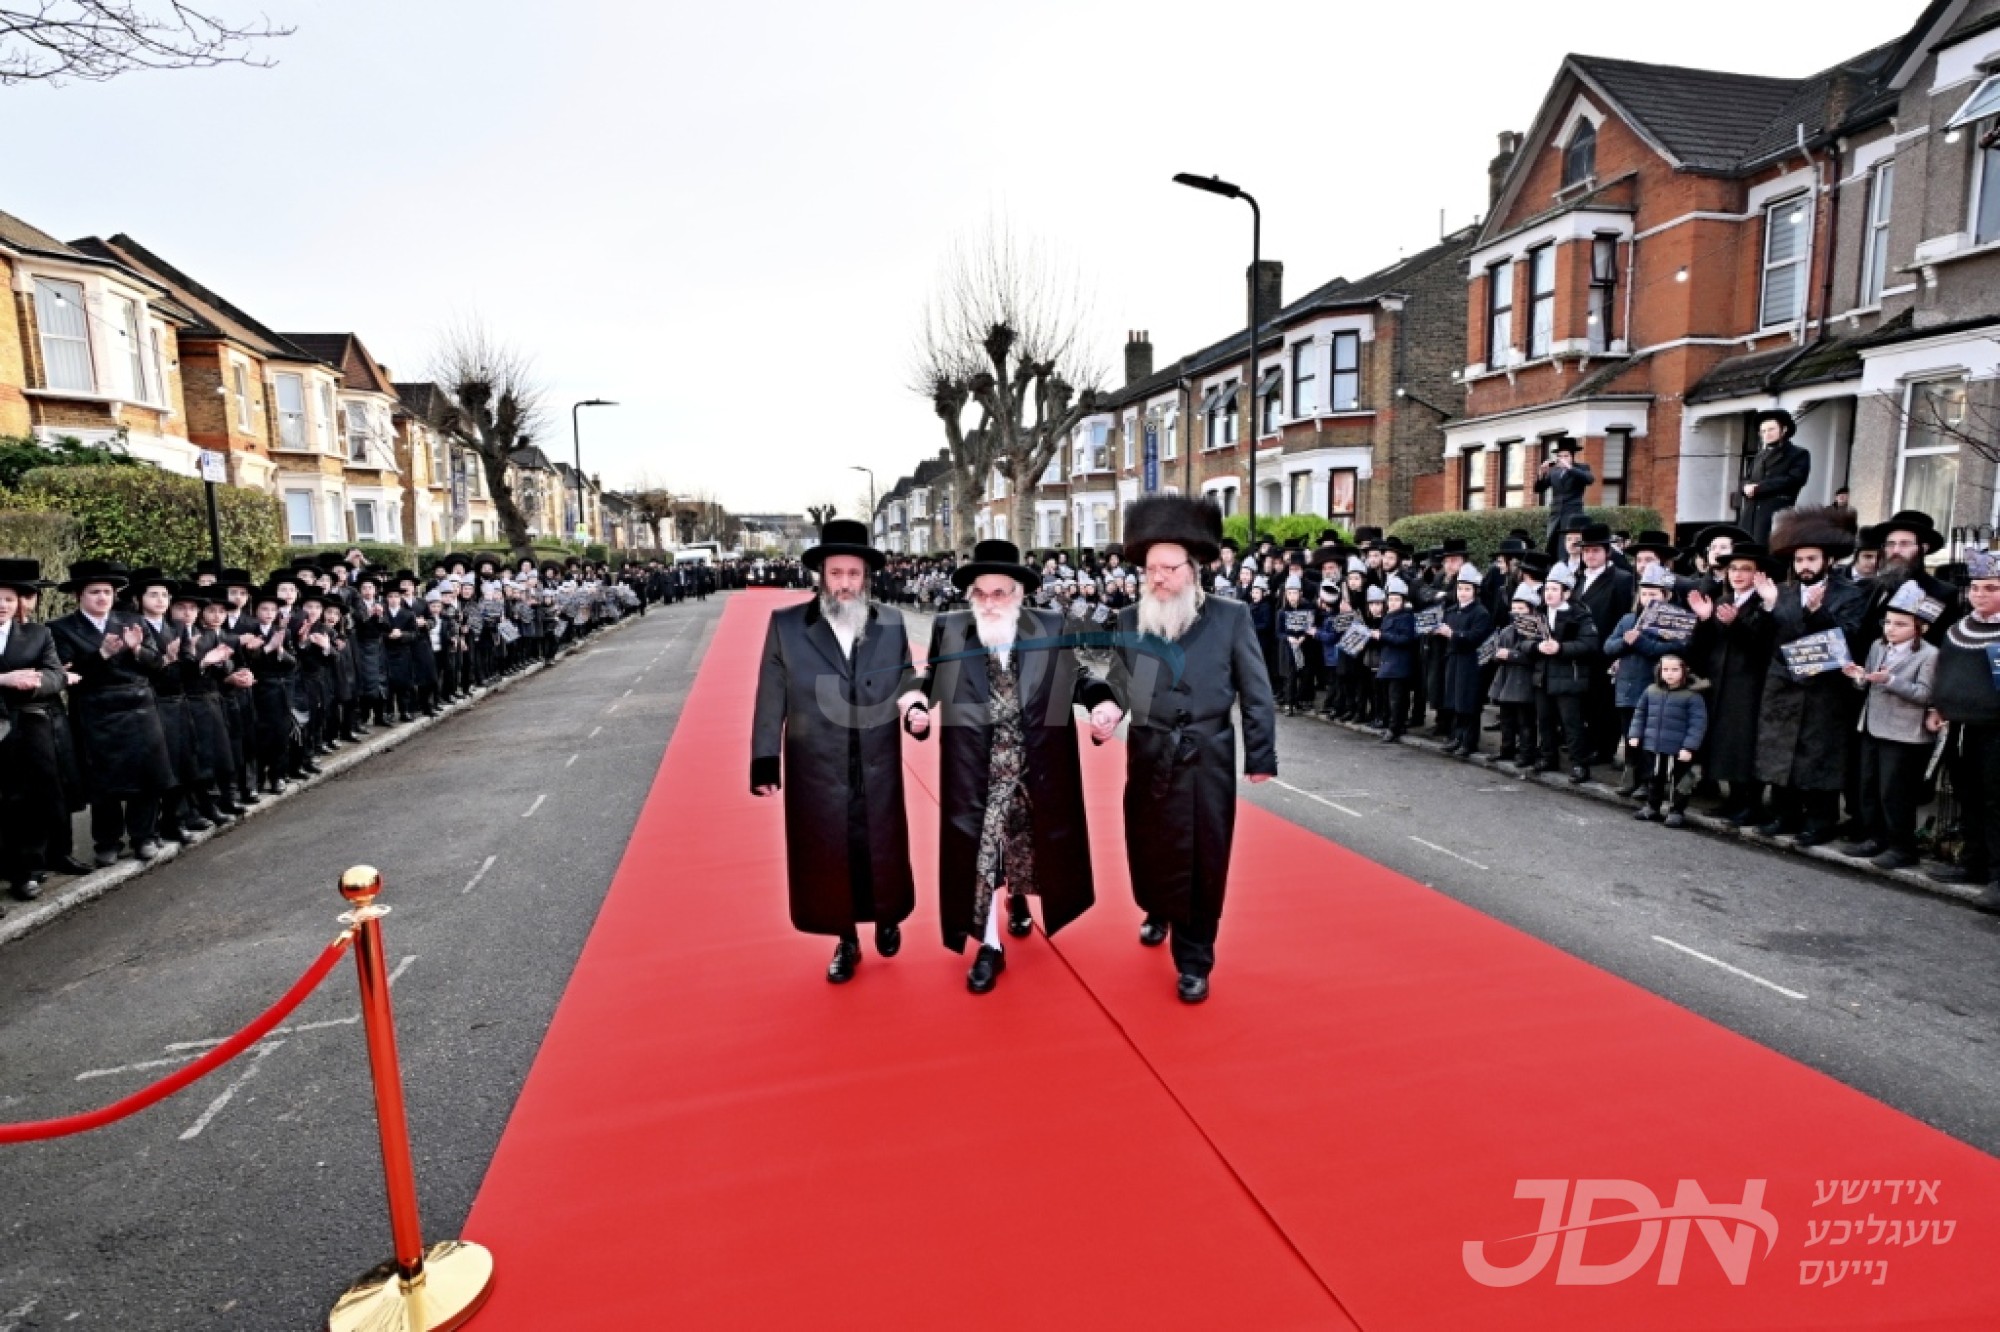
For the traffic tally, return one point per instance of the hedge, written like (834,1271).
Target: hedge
(1484,529)
(48,537)
(144,516)
(1280,527)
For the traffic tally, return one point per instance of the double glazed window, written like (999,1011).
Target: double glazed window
(1513,473)
(1542,301)
(1346,380)
(65,333)
(1603,292)
(1580,157)
(1787,246)
(1500,315)
(1305,402)
(291,391)
(1611,474)
(1472,471)
(1927,464)
(1875,238)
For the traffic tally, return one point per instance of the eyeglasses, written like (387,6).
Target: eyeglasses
(990,598)
(1164,570)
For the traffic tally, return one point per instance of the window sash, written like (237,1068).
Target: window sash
(291,394)
(1984,102)
(1611,472)
(159,365)
(357,432)
(1472,477)
(1875,249)
(65,333)
(1168,436)
(1500,314)
(135,346)
(1542,301)
(326,422)
(1303,401)
(1603,291)
(1580,157)
(1986,220)
(1341,484)
(1786,250)
(364,519)
(299,517)
(1346,378)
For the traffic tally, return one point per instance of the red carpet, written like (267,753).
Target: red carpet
(712,1136)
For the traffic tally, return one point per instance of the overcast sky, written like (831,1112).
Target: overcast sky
(726,216)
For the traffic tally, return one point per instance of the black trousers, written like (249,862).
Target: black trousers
(1892,779)
(129,817)
(1193,944)
(1666,778)
(1600,716)
(1973,758)
(1561,718)
(1519,738)
(1392,705)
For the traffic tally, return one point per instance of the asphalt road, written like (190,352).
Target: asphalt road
(252,1199)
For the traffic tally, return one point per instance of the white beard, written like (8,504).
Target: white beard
(996,630)
(849,619)
(1169,619)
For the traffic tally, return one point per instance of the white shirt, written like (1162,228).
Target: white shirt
(5,630)
(96,623)
(844,635)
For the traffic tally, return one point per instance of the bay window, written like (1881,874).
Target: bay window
(65,336)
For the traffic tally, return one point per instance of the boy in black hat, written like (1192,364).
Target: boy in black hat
(31,685)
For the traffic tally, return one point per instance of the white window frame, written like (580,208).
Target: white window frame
(290,439)
(60,297)
(365,506)
(1983,103)
(1305,376)
(1347,338)
(159,362)
(1875,231)
(1801,260)
(351,412)
(329,427)
(1982,158)
(309,536)
(1169,434)
(1541,335)
(336,513)
(1903,450)
(133,330)
(239,384)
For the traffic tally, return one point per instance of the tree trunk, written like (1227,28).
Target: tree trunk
(513,524)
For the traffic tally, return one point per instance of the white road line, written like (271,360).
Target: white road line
(637,679)
(593,732)
(1447,851)
(394,976)
(473,882)
(141,1066)
(1734,971)
(626,694)
(571,760)
(530,812)
(215,1106)
(1310,796)
(613,708)
(21,1310)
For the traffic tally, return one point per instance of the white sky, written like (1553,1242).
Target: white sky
(726,216)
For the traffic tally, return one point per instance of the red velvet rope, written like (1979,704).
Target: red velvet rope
(191,1073)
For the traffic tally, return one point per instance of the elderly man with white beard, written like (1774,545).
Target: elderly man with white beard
(834,680)
(1182,664)
(1004,686)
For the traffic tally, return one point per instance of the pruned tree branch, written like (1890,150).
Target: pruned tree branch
(497,405)
(95,40)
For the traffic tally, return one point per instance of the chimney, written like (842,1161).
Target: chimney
(1269,283)
(1496,170)
(1138,356)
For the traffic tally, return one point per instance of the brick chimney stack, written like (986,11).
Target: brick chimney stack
(1269,284)
(1496,170)
(1138,356)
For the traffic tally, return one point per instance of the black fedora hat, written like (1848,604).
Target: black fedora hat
(235,578)
(843,536)
(23,576)
(1514,547)
(194,592)
(1756,553)
(85,572)
(1706,537)
(1659,543)
(151,575)
(1536,562)
(1917,523)
(1786,421)
(1454,546)
(995,557)
(1595,534)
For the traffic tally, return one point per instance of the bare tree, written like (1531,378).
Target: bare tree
(652,505)
(820,514)
(96,40)
(496,406)
(1003,336)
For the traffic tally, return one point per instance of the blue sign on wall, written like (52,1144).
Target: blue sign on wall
(1152,481)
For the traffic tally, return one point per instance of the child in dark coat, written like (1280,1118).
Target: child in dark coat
(1668,726)
(1397,639)
(1514,685)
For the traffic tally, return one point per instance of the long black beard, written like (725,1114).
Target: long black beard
(1892,574)
(1808,579)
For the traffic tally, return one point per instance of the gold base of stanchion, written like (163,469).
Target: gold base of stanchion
(456,1279)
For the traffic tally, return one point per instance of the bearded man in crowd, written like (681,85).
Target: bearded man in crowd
(1003,686)
(835,676)
(1182,663)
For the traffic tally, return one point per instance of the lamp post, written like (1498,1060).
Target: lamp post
(856,467)
(576,448)
(1216,185)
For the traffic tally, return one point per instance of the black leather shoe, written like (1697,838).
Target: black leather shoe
(846,957)
(1775,828)
(247,798)
(149,850)
(1153,933)
(1949,874)
(1893,859)
(1579,775)
(1676,820)
(1645,814)
(196,823)
(105,859)
(1192,989)
(311,767)
(1020,923)
(986,969)
(1867,850)
(888,940)
(70,865)
(28,889)
(1989,898)
(1813,837)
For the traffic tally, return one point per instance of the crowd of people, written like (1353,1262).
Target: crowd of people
(166,705)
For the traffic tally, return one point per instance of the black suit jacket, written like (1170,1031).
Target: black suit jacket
(1779,474)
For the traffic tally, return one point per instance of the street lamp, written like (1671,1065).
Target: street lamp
(576,447)
(856,467)
(1216,185)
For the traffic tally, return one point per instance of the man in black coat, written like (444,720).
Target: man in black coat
(1561,484)
(1604,592)
(835,678)
(1182,664)
(1777,474)
(1566,656)
(1004,687)
(121,748)
(31,685)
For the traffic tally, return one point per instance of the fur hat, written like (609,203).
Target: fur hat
(1195,524)
(1831,531)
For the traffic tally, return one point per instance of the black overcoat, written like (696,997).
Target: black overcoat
(1807,725)
(1470,626)
(828,730)
(1563,492)
(1051,685)
(1180,753)
(1780,474)
(31,769)
(120,747)
(1734,657)
(399,665)
(371,679)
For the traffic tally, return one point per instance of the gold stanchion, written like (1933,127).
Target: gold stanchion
(420,1289)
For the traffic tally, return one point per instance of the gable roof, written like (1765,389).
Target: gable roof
(18,235)
(208,312)
(358,369)
(426,401)
(1703,119)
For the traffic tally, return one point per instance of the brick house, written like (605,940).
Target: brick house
(1354,382)
(366,404)
(90,349)
(1661,262)
(424,456)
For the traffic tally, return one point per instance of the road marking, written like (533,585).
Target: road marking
(215,1106)
(21,1310)
(1310,796)
(593,732)
(571,760)
(613,708)
(637,679)
(537,805)
(1734,971)
(626,694)
(473,882)
(1447,851)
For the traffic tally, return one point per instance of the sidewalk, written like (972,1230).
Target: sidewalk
(24,918)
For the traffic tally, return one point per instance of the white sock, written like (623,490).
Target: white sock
(993,911)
